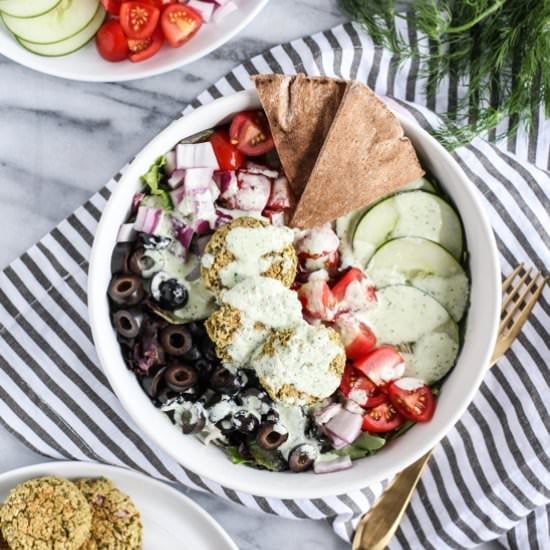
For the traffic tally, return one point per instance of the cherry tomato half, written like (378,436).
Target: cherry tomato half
(179,24)
(382,365)
(250,132)
(112,7)
(111,42)
(138,19)
(382,418)
(140,50)
(412,399)
(360,389)
(228,156)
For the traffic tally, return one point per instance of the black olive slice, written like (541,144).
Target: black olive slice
(245,421)
(126,290)
(269,438)
(120,257)
(225,381)
(127,322)
(302,458)
(176,340)
(153,384)
(180,377)
(193,419)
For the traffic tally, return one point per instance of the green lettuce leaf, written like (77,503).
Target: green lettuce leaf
(364,445)
(152,179)
(236,457)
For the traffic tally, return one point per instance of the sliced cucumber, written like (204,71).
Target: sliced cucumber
(425,265)
(421,183)
(69,45)
(65,20)
(27,8)
(410,319)
(408,214)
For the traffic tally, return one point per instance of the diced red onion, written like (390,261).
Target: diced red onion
(148,219)
(337,464)
(275,217)
(353,406)
(176,178)
(184,233)
(223,11)
(196,155)
(254,191)
(205,9)
(203,206)
(170,165)
(201,226)
(126,233)
(345,425)
(325,414)
(214,190)
(281,195)
(178,195)
(335,441)
(228,186)
(255,168)
(197,179)
(223,218)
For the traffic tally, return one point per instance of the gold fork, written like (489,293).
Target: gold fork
(520,292)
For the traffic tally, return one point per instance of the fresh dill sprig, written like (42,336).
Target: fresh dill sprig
(500,47)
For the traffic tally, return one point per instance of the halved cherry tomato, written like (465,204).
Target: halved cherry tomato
(140,50)
(112,7)
(250,132)
(353,275)
(179,24)
(358,338)
(111,42)
(139,19)
(382,365)
(317,300)
(160,4)
(228,156)
(382,418)
(412,399)
(360,389)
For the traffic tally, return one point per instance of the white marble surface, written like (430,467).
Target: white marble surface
(60,141)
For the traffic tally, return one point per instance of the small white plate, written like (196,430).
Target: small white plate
(86,64)
(170,519)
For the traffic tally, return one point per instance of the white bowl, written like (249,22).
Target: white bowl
(210,462)
(87,65)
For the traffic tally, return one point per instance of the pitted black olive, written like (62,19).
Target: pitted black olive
(226,426)
(225,381)
(120,258)
(209,398)
(153,384)
(269,437)
(245,421)
(142,264)
(127,322)
(168,292)
(193,419)
(180,377)
(126,290)
(155,242)
(302,458)
(272,416)
(204,367)
(208,348)
(176,340)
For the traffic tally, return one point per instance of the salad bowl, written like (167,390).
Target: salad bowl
(209,461)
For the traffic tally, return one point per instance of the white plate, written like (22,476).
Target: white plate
(170,519)
(86,64)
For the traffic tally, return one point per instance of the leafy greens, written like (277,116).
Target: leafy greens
(153,178)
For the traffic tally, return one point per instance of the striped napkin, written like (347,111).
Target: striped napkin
(488,479)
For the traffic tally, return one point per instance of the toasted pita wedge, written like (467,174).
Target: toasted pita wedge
(300,111)
(364,157)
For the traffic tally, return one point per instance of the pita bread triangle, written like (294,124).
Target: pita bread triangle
(300,111)
(365,156)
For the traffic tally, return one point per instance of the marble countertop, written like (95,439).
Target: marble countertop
(62,140)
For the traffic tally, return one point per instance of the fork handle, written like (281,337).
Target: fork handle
(385,516)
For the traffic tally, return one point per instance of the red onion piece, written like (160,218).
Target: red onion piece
(223,11)
(170,165)
(196,155)
(337,464)
(204,9)
(254,191)
(255,168)
(148,219)
(325,414)
(176,178)
(201,227)
(281,195)
(345,425)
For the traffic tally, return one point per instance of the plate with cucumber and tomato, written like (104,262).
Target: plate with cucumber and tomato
(117,40)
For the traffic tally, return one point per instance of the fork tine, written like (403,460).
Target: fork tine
(539,279)
(515,289)
(511,277)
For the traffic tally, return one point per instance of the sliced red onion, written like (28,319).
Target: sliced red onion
(255,168)
(353,406)
(203,207)
(176,178)
(228,186)
(178,195)
(336,442)
(281,195)
(326,413)
(223,11)
(184,233)
(336,464)
(254,191)
(148,219)
(223,217)
(205,9)
(197,179)
(126,233)
(345,425)
(170,165)
(196,155)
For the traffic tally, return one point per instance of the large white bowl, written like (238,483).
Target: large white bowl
(457,392)
(86,64)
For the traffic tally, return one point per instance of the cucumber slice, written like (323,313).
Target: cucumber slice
(408,214)
(425,265)
(421,183)
(69,45)
(420,326)
(27,8)
(65,20)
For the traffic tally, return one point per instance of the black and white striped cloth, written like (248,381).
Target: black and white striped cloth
(488,479)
